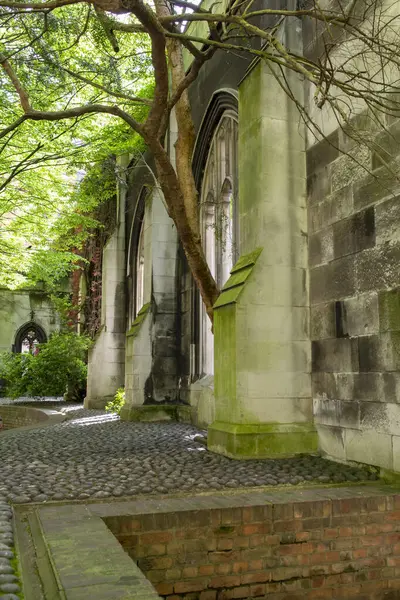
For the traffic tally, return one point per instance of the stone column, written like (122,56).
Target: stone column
(262,346)
(106,365)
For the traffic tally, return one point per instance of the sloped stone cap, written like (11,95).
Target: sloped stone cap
(239,275)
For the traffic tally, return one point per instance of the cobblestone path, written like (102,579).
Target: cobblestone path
(95,455)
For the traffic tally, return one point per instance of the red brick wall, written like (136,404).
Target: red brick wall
(348,548)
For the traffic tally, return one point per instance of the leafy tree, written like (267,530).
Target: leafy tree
(85,63)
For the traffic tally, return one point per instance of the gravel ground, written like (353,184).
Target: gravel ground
(95,455)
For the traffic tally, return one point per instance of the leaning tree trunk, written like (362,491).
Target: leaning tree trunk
(190,240)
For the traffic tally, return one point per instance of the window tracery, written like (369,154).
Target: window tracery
(218,219)
(28,339)
(139,284)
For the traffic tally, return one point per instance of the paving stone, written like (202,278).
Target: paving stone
(7,578)
(9,587)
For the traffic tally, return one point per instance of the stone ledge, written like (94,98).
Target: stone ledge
(269,440)
(83,558)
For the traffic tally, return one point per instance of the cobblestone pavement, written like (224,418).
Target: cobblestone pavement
(9,584)
(95,455)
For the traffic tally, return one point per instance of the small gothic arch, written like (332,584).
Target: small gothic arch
(28,337)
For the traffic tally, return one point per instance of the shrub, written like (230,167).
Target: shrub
(15,371)
(117,403)
(59,365)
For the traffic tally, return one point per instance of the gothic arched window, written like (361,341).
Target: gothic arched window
(28,339)
(139,283)
(218,219)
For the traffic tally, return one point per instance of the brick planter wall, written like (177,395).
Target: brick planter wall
(336,548)
(21,416)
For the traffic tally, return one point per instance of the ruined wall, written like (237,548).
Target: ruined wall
(106,360)
(354,255)
(16,309)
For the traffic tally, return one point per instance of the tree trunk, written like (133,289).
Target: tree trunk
(189,239)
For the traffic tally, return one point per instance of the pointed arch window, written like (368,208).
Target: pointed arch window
(139,284)
(28,338)
(218,219)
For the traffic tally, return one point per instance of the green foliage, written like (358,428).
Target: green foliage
(54,174)
(15,371)
(117,403)
(59,364)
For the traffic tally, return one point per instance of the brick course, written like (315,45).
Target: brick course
(345,547)
(21,416)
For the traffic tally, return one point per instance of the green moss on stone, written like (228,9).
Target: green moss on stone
(391,477)
(247,260)
(239,275)
(264,440)
(134,330)
(389,310)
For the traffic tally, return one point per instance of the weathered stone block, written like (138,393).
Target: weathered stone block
(333,281)
(323,153)
(369,447)
(389,310)
(324,385)
(361,315)
(381,417)
(331,441)
(273,324)
(371,353)
(335,355)
(277,356)
(380,353)
(387,220)
(325,411)
(276,410)
(322,322)
(355,233)
(347,169)
(349,414)
(336,413)
(386,145)
(378,268)
(318,186)
(320,247)
(344,386)
(391,387)
(383,184)
(335,207)
(368,387)
(278,384)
